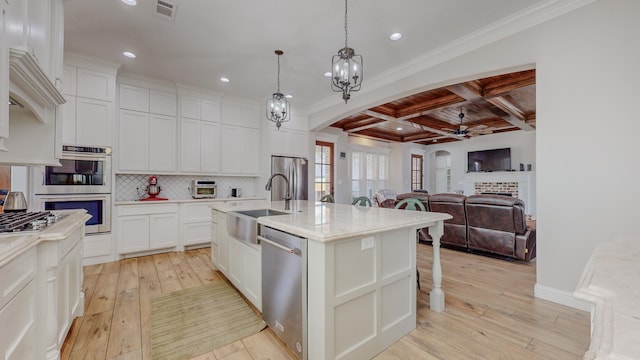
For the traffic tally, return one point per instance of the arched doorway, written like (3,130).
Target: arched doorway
(442,171)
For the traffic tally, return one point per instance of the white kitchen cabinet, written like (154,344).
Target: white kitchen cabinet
(162,103)
(95,85)
(219,241)
(69,80)
(20,312)
(68,111)
(240,149)
(93,122)
(4,78)
(240,113)
(199,146)
(133,135)
(38,30)
(289,142)
(196,220)
(162,143)
(134,98)
(147,227)
(245,269)
(199,109)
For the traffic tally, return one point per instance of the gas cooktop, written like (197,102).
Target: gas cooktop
(26,221)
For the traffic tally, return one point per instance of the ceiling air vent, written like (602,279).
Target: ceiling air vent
(166,10)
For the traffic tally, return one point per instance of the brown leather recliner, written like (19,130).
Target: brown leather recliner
(496,224)
(455,229)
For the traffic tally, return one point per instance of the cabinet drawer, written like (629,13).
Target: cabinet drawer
(196,212)
(16,274)
(150,209)
(197,233)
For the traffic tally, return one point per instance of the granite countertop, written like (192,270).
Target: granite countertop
(13,245)
(189,200)
(326,222)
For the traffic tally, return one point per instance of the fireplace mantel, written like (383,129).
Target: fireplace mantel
(525,180)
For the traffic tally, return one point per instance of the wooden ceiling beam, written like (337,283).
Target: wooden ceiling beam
(407,123)
(515,117)
(360,123)
(432,104)
(525,79)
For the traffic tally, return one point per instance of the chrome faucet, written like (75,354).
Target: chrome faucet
(287,195)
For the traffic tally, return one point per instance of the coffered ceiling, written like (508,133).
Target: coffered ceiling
(495,104)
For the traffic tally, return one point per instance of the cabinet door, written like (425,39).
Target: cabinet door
(197,233)
(94,85)
(162,143)
(69,120)
(134,98)
(210,110)
(133,133)
(299,143)
(236,262)
(190,145)
(162,103)
(231,149)
(250,151)
(209,147)
(38,31)
(253,275)
(279,141)
(223,245)
(163,229)
(133,233)
(189,107)
(93,119)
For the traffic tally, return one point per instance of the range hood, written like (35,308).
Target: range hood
(31,87)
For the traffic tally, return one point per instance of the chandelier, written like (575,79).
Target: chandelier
(346,67)
(277,105)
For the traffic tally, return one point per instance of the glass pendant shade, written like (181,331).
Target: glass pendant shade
(278,108)
(346,72)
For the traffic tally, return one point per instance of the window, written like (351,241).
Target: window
(324,169)
(416,172)
(369,172)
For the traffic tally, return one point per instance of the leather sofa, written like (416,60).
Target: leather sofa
(491,224)
(455,229)
(496,224)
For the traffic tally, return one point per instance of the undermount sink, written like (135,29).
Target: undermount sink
(243,225)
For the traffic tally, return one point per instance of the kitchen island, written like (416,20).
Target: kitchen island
(360,274)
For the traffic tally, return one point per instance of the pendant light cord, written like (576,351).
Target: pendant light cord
(278,73)
(345,23)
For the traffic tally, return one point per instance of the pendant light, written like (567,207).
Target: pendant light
(346,67)
(278,106)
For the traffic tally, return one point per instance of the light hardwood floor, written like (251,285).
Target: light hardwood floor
(490,312)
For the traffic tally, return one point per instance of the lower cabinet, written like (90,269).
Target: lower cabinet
(245,270)
(196,224)
(147,227)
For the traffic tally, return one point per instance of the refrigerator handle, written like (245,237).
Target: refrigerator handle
(294,180)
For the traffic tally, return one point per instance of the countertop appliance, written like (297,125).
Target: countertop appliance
(27,221)
(296,170)
(203,189)
(153,189)
(236,192)
(284,287)
(14,201)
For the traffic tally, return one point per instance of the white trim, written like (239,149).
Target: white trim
(560,297)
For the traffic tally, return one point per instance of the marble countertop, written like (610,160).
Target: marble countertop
(13,245)
(610,281)
(173,201)
(327,222)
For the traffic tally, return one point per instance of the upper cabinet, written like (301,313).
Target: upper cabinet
(199,133)
(292,139)
(89,113)
(147,128)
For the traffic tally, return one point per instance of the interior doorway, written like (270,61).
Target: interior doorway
(442,172)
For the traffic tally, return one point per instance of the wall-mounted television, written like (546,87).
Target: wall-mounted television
(489,160)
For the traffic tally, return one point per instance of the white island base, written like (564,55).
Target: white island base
(361,276)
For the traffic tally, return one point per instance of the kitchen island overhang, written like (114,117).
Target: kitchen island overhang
(361,274)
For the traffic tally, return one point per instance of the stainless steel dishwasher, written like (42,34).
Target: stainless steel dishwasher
(284,287)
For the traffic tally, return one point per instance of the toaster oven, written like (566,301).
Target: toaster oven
(203,189)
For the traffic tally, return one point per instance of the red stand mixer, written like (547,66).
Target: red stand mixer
(153,189)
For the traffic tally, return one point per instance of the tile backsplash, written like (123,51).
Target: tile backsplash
(132,187)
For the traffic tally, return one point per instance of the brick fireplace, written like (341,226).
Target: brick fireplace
(502,188)
(520,184)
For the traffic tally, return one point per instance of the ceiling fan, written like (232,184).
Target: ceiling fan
(464,130)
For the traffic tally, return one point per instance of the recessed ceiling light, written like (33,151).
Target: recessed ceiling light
(395,36)
(129,54)
(289,96)
(399,128)
(130,2)
(327,74)
(224,79)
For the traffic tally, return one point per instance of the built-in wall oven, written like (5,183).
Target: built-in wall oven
(82,182)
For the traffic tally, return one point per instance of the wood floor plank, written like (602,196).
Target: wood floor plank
(88,287)
(207,356)
(166,273)
(104,295)
(227,350)
(263,346)
(125,326)
(134,355)
(93,337)
(149,288)
(128,279)
(186,274)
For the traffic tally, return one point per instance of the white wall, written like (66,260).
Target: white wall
(586,154)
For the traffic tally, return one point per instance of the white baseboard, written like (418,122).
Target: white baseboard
(560,297)
(93,260)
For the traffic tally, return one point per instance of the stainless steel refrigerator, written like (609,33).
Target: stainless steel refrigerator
(296,169)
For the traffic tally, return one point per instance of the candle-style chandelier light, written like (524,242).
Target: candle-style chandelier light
(278,107)
(346,67)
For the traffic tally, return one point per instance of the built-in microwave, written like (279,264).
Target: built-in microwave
(83,170)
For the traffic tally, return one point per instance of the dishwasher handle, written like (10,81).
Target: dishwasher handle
(279,246)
